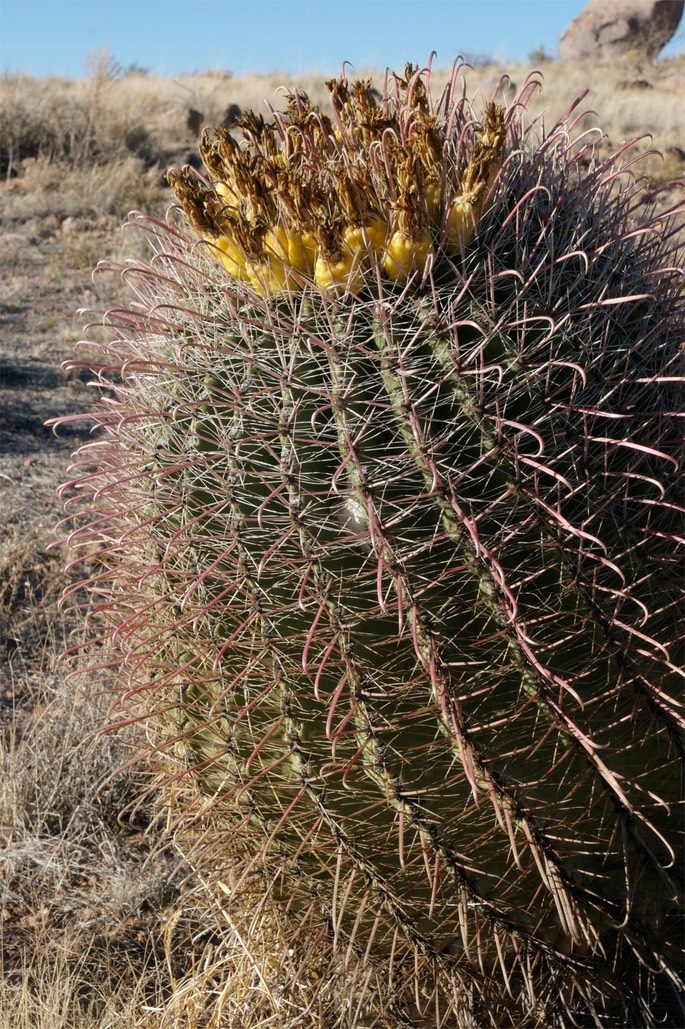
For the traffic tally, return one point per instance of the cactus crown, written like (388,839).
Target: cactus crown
(388,503)
(314,197)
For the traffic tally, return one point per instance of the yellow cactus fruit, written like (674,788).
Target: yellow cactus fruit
(366,239)
(301,250)
(404,254)
(275,243)
(342,273)
(461,222)
(292,249)
(433,194)
(376,230)
(230,256)
(270,276)
(273,274)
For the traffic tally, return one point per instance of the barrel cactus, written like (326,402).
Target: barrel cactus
(384,512)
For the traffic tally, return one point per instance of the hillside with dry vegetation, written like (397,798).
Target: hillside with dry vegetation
(103,922)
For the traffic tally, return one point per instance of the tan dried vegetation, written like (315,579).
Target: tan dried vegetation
(102,923)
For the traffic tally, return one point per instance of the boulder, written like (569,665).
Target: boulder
(608,30)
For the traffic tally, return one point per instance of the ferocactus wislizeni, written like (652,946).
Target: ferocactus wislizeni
(386,508)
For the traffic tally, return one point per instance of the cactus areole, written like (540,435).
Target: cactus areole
(385,510)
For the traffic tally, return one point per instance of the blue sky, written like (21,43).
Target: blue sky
(173,37)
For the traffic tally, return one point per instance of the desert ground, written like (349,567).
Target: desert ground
(103,922)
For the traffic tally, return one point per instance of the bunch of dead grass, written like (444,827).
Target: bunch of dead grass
(88,880)
(59,120)
(48,190)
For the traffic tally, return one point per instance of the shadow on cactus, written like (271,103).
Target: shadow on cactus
(385,511)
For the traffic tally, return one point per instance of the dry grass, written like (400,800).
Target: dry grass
(82,885)
(101,922)
(100,146)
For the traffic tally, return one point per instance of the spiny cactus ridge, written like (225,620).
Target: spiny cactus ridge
(384,515)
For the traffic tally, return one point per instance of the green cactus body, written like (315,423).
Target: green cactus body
(394,572)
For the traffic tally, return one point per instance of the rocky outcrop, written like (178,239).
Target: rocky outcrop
(607,30)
